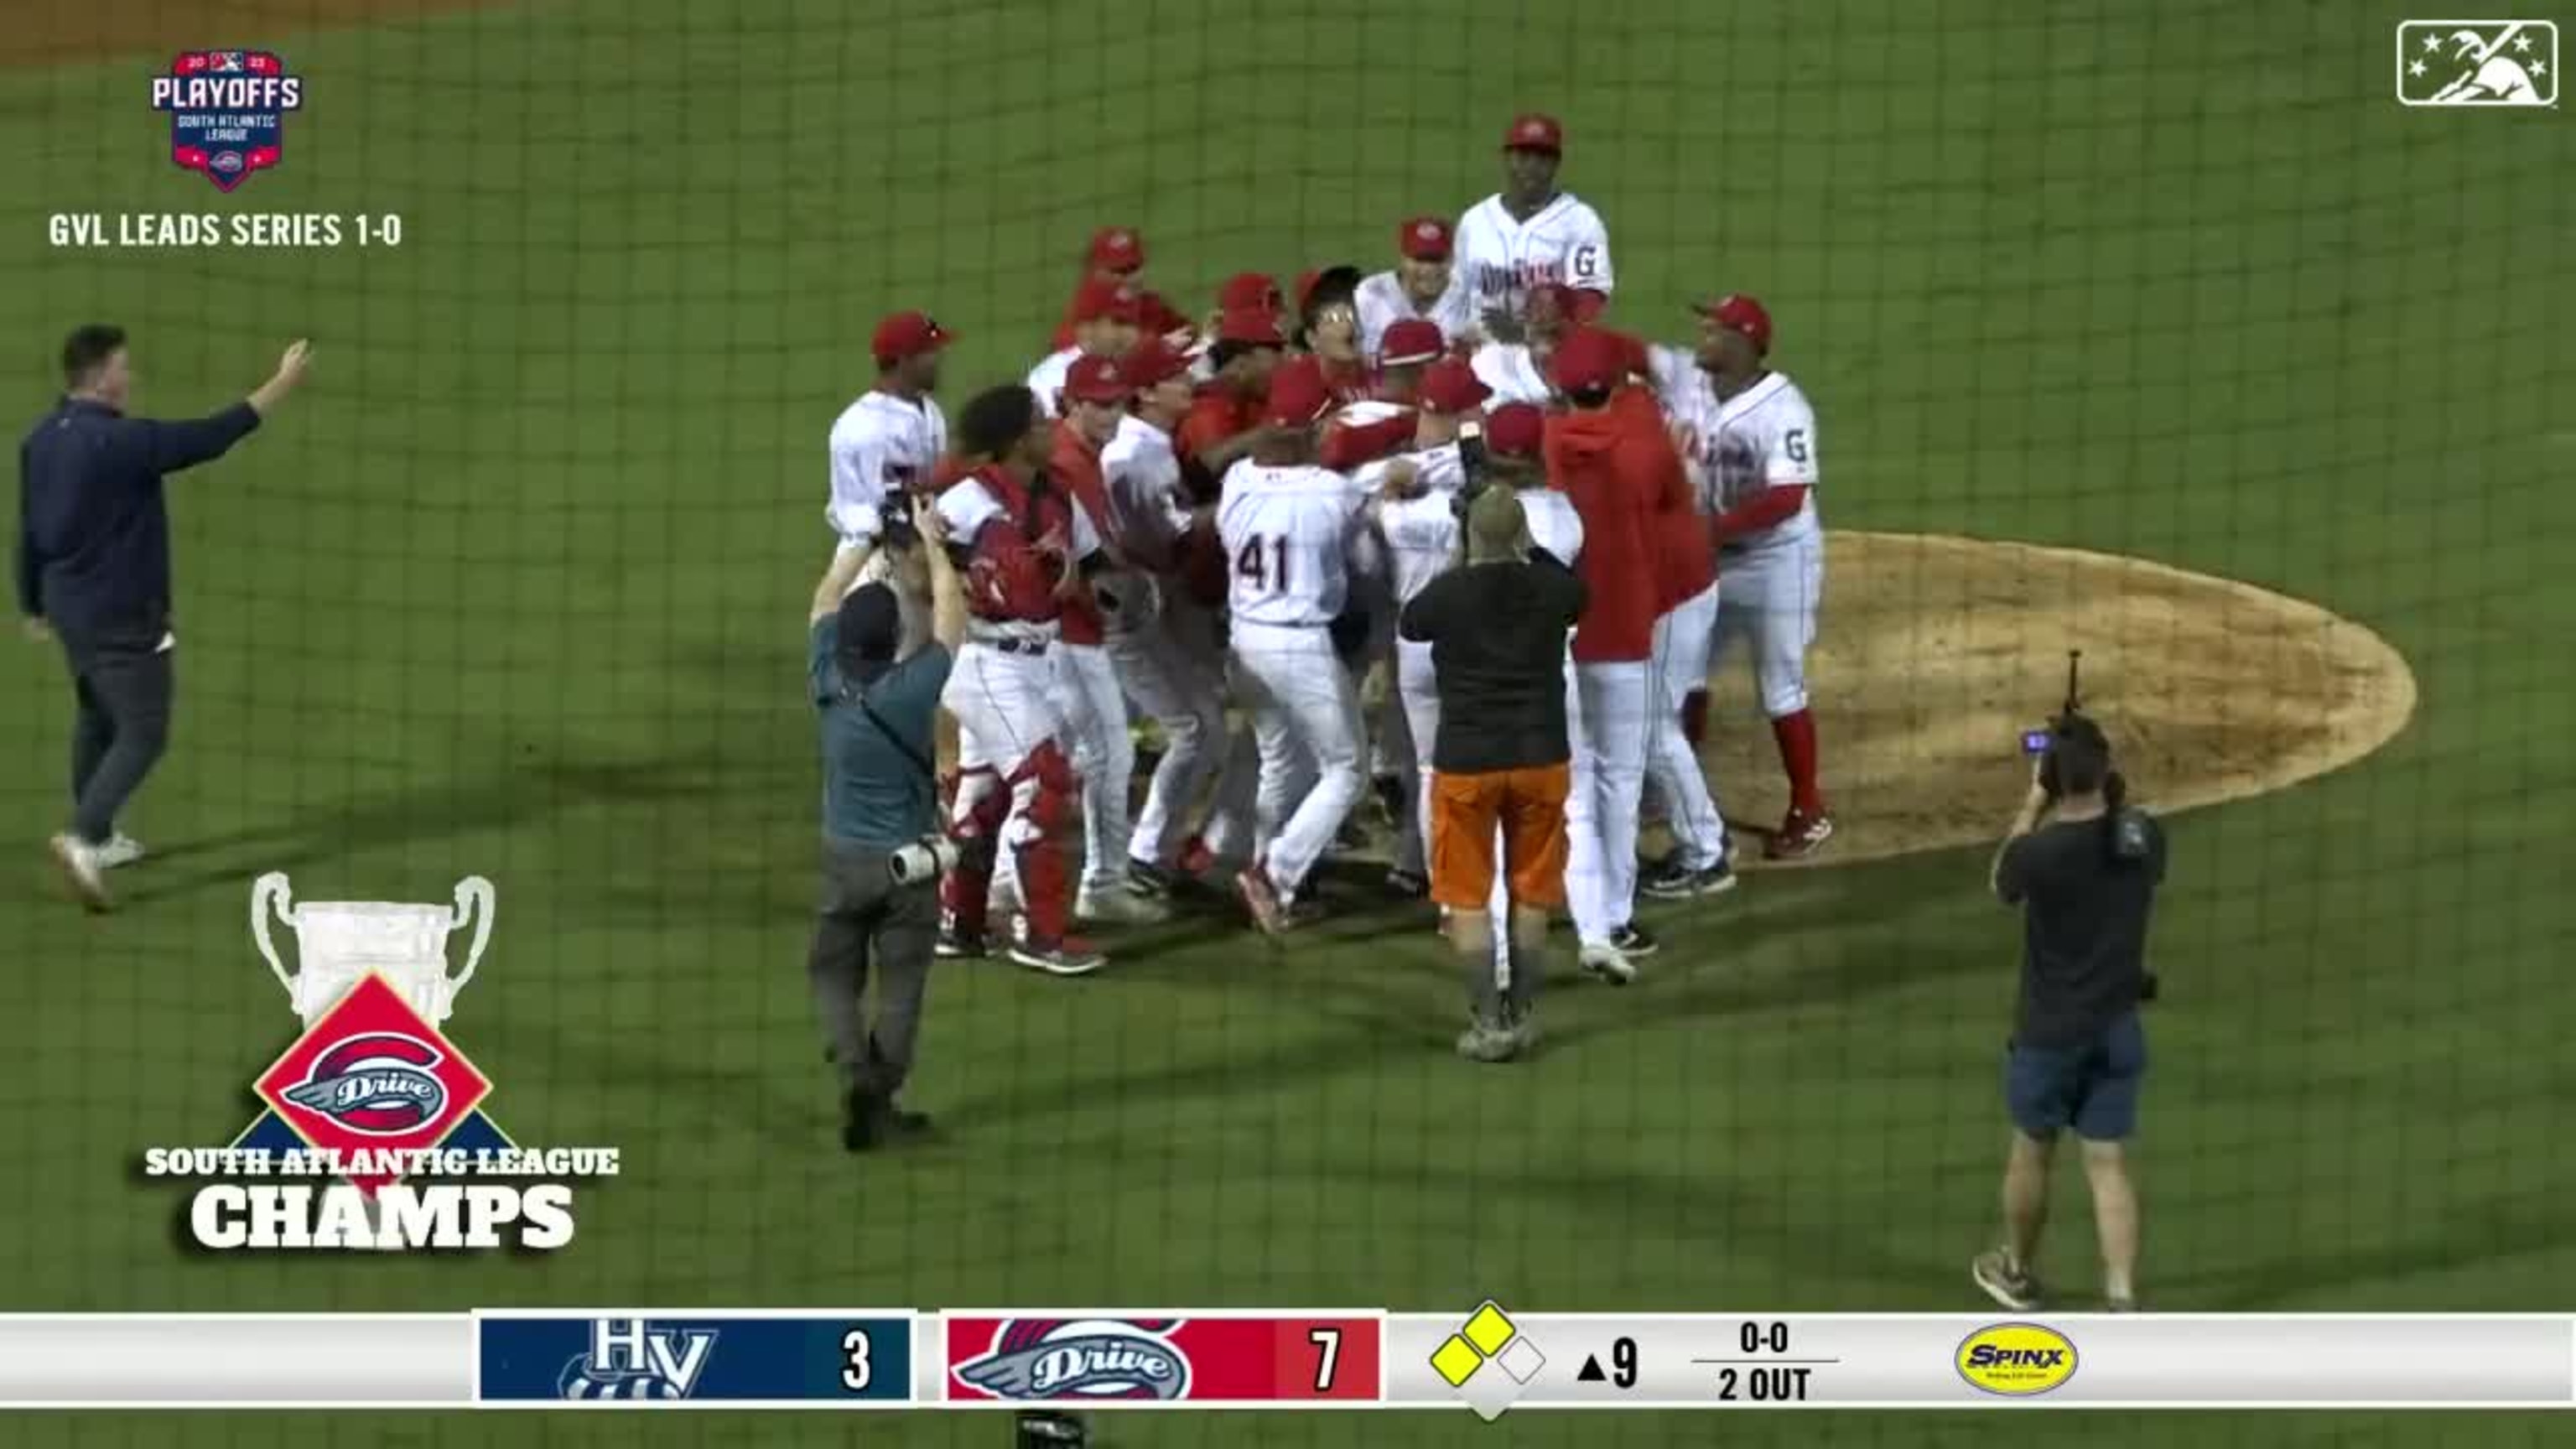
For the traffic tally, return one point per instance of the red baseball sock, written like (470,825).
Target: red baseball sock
(964,896)
(1796,736)
(1695,717)
(1046,891)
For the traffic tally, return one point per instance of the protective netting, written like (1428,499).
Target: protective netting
(514,589)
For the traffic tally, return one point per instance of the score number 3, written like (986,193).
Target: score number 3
(855,1370)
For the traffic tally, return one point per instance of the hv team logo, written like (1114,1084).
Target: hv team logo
(227,111)
(2477,63)
(1081,1358)
(631,1359)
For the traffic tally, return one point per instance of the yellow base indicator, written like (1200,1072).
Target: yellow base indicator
(1455,1360)
(1489,1330)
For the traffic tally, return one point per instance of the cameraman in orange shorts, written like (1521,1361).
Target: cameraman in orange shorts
(1501,763)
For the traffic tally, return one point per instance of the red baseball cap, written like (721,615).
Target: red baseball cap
(1299,396)
(1106,299)
(1251,326)
(1535,132)
(1249,292)
(1097,379)
(1589,359)
(1151,362)
(1424,239)
(1515,430)
(1413,340)
(907,335)
(1450,387)
(1738,313)
(1117,249)
(1306,281)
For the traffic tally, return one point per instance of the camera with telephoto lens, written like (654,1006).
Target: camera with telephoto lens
(925,859)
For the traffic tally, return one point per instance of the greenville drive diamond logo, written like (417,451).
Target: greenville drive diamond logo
(372,1076)
(2477,63)
(227,111)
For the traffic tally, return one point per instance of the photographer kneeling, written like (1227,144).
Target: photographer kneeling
(882,850)
(2086,882)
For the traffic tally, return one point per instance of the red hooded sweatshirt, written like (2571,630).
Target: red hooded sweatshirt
(1615,469)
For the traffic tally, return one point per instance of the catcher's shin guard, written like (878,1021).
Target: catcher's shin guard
(1046,885)
(976,811)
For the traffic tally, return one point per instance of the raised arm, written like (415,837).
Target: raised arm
(947,592)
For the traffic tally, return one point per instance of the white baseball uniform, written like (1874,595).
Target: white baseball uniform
(1177,687)
(1287,533)
(1772,584)
(1500,257)
(1420,537)
(1004,689)
(880,445)
(1514,373)
(1047,379)
(1381,302)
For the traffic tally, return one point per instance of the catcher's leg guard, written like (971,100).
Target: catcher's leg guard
(976,810)
(1044,790)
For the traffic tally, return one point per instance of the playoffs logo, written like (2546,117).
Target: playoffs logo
(2477,63)
(227,111)
(371,1076)
(1083,1358)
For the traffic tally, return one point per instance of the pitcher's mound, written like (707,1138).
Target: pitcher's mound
(1935,653)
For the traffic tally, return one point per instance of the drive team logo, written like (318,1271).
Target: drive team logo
(372,1075)
(227,112)
(1083,1358)
(2017,1360)
(2477,63)
(381,1084)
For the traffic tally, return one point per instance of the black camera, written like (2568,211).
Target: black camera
(1474,464)
(895,514)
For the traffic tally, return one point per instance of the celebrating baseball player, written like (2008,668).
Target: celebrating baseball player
(1518,370)
(1104,755)
(1106,316)
(1531,234)
(1422,287)
(1160,641)
(1626,480)
(1023,544)
(1287,526)
(1755,439)
(1117,256)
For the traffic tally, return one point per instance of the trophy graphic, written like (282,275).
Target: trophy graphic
(339,942)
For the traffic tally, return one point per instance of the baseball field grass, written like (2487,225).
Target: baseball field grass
(516,588)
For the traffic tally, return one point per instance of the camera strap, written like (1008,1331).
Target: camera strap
(919,760)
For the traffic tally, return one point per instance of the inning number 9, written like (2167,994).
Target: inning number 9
(855,1372)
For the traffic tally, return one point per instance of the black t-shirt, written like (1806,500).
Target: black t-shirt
(1497,636)
(2084,928)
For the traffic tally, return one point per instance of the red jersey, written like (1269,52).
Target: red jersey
(1075,466)
(1685,554)
(1350,381)
(1613,472)
(1353,439)
(1216,413)
(1021,539)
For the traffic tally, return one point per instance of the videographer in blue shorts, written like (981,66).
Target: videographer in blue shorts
(2086,883)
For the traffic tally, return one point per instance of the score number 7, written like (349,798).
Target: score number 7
(1328,1356)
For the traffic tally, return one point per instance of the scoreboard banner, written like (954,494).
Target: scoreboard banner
(1487,1362)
